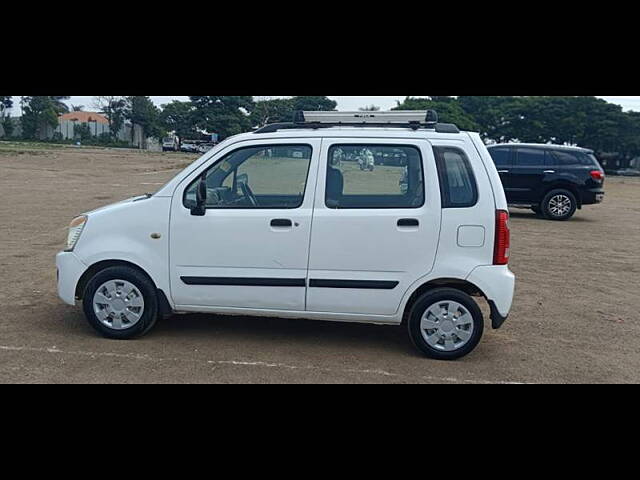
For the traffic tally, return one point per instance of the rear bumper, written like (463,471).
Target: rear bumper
(70,269)
(593,196)
(498,285)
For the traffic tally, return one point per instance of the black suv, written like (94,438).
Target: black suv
(552,180)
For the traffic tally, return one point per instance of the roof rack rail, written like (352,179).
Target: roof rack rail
(395,119)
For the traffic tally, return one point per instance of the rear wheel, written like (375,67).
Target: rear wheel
(559,205)
(121,302)
(445,324)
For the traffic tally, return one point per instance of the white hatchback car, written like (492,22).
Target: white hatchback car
(268,223)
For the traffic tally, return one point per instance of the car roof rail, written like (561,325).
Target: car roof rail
(415,120)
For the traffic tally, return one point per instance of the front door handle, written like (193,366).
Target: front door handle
(503,171)
(281,222)
(408,222)
(549,171)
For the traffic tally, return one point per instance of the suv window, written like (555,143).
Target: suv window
(534,157)
(374,176)
(569,158)
(501,156)
(458,187)
(272,176)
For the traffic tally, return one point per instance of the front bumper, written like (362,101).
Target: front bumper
(498,285)
(70,269)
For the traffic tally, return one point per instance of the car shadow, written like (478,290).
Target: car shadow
(534,216)
(276,331)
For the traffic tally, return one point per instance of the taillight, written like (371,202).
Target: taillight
(597,175)
(502,240)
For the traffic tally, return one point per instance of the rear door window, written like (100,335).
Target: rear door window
(530,157)
(501,156)
(374,176)
(458,187)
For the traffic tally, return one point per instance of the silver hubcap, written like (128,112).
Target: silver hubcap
(118,304)
(560,205)
(446,326)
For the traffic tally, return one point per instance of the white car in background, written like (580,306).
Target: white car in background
(188,147)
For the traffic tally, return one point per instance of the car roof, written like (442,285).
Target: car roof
(349,132)
(542,146)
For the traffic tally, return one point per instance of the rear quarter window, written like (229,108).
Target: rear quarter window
(458,188)
(569,158)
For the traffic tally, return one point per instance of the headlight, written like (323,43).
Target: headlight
(75,229)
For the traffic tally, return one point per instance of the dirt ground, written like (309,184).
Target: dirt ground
(575,318)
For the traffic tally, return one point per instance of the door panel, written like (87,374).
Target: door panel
(526,177)
(362,260)
(245,257)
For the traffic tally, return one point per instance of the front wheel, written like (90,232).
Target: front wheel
(559,205)
(445,324)
(121,303)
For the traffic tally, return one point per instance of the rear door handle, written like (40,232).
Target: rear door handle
(281,222)
(549,171)
(503,171)
(408,222)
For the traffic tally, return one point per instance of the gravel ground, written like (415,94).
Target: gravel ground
(575,318)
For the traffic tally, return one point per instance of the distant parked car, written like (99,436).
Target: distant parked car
(169,144)
(553,180)
(629,172)
(204,147)
(188,147)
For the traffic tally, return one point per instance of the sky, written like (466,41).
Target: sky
(344,103)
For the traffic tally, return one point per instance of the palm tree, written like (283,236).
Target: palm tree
(59,105)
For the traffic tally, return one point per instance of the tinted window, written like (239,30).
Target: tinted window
(457,184)
(530,157)
(572,158)
(374,176)
(501,156)
(256,177)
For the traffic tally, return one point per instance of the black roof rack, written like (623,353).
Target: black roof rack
(397,119)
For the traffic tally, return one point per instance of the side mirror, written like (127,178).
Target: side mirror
(201,198)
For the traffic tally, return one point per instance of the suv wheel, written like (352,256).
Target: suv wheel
(445,324)
(120,303)
(559,205)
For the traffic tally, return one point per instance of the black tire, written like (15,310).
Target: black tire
(142,283)
(443,295)
(546,207)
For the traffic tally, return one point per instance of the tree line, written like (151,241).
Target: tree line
(588,122)
(585,121)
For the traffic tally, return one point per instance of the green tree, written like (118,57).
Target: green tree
(39,113)
(5,104)
(317,104)
(7,125)
(275,110)
(224,115)
(179,117)
(142,111)
(448,108)
(114,108)
(82,132)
